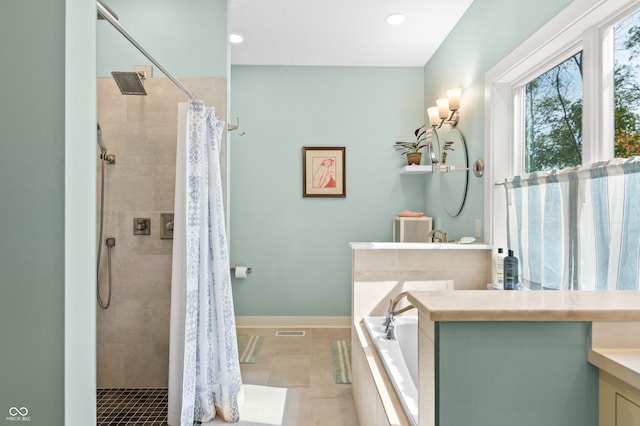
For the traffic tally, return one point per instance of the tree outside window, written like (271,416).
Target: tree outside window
(627,87)
(553,117)
(553,106)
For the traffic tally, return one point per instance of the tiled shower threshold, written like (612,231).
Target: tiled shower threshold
(132,406)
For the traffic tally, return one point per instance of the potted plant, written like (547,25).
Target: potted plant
(447,147)
(412,149)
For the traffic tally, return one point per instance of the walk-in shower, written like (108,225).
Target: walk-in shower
(132,338)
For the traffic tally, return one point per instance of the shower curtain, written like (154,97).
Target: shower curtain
(204,372)
(578,228)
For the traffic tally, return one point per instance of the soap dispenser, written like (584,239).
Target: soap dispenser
(510,272)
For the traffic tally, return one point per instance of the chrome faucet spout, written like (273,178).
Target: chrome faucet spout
(396,300)
(403,310)
(432,234)
(389,321)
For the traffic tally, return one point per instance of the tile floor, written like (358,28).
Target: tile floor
(133,406)
(291,384)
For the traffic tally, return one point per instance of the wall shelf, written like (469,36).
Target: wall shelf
(416,170)
(477,169)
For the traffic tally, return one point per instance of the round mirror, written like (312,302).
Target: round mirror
(433,146)
(453,184)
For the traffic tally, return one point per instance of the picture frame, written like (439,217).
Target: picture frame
(324,171)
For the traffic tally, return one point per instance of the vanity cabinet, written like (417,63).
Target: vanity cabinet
(619,402)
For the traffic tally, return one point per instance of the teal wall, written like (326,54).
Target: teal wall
(188,38)
(489,30)
(32,149)
(515,373)
(299,247)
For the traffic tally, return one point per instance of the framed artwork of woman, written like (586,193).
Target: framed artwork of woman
(323,172)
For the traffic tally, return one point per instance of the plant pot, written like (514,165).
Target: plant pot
(414,158)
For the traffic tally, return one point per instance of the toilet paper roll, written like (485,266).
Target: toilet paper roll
(241,272)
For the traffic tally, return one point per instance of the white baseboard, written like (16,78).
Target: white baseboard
(306,322)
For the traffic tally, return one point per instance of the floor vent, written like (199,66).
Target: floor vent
(290,333)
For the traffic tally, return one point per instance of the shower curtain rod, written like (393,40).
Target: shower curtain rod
(106,14)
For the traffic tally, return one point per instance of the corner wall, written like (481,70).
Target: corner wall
(487,32)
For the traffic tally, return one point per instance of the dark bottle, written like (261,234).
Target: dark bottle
(510,272)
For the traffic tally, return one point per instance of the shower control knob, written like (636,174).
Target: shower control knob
(169,226)
(141,226)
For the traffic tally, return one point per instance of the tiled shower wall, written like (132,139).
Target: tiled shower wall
(133,333)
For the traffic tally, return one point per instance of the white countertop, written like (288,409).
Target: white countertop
(419,246)
(479,305)
(621,363)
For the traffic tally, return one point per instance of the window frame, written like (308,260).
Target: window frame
(585,25)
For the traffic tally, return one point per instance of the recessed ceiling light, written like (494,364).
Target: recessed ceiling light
(395,19)
(236,38)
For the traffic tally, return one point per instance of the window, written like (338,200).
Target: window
(569,95)
(553,117)
(627,87)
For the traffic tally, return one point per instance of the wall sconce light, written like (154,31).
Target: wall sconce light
(446,110)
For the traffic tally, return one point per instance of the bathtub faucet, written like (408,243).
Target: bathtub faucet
(389,324)
(432,236)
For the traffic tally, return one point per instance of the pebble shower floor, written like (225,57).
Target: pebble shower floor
(132,406)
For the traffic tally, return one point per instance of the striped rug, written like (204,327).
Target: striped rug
(249,348)
(341,354)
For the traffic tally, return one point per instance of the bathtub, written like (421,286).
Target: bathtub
(400,359)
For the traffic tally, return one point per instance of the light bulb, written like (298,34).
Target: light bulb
(443,107)
(454,98)
(434,118)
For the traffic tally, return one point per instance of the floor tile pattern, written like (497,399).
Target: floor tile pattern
(291,384)
(132,407)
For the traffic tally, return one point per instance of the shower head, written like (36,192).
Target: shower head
(103,149)
(129,82)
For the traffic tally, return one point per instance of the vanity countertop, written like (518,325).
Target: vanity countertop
(500,305)
(623,363)
(420,246)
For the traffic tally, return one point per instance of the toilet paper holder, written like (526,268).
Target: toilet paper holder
(233,270)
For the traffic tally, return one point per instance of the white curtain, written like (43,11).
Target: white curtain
(204,372)
(577,228)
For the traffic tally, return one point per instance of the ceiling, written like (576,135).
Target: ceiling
(340,32)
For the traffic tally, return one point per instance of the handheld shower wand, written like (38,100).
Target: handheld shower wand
(109,158)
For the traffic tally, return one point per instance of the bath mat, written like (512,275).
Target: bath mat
(341,355)
(249,348)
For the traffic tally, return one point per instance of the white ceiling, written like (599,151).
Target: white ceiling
(340,32)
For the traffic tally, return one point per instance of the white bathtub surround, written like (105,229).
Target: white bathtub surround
(381,271)
(400,359)
(467,265)
(375,398)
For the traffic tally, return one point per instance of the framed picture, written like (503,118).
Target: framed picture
(323,171)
